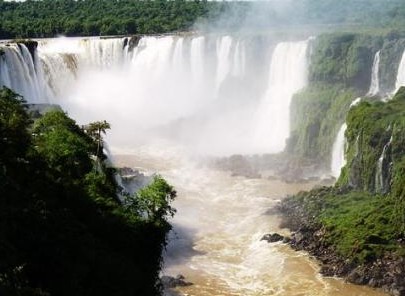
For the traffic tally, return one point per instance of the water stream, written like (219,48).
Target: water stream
(220,220)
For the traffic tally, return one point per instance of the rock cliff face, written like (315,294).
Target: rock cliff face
(341,67)
(36,110)
(357,228)
(376,147)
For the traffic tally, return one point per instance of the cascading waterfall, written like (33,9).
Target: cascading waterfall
(382,174)
(57,65)
(197,58)
(67,56)
(338,160)
(338,152)
(104,53)
(288,74)
(211,69)
(178,57)
(89,52)
(239,59)
(400,74)
(213,97)
(20,71)
(375,82)
(223,56)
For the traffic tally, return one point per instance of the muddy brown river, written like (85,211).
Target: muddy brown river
(215,242)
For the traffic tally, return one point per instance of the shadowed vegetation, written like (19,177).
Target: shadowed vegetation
(63,228)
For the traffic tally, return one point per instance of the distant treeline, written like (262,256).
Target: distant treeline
(97,17)
(48,18)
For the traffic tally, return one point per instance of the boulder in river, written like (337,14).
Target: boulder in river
(272,237)
(173,282)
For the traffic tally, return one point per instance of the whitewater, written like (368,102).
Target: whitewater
(174,101)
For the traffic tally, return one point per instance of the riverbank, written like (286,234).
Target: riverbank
(356,242)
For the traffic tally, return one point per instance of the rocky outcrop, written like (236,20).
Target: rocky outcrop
(133,180)
(169,282)
(37,110)
(30,44)
(272,237)
(385,272)
(274,167)
(132,42)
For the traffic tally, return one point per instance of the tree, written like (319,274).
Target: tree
(94,130)
(155,200)
(14,121)
(62,144)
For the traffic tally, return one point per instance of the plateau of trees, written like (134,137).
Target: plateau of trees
(49,18)
(63,228)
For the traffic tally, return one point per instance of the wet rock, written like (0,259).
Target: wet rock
(37,110)
(173,282)
(126,171)
(357,276)
(133,180)
(286,240)
(272,237)
(239,166)
(298,237)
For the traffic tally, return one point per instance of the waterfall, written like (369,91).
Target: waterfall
(55,66)
(90,52)
(43,75)
(239,59)
(288,74)
(197,60)
(65,57)
(20,72)
(223,55)
(382,175)
(154,56)
(178,57)
(104,53)
(338,152)
(338,160)
(355,102)
(375,83)
(193,89)
(400,74)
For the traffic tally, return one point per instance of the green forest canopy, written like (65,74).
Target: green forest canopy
(49,18)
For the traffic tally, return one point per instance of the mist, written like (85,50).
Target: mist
(223,90)
(212,94)
(295,16)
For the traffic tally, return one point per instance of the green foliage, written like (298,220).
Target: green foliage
(14,137)
(155,200)
(95,131)
(62,144)
(363,216)
(357,224)
(339,72)
(370,128)
(344,58)
(317,114)
(63,230)
(347,59)
(390,56)
(48,18)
